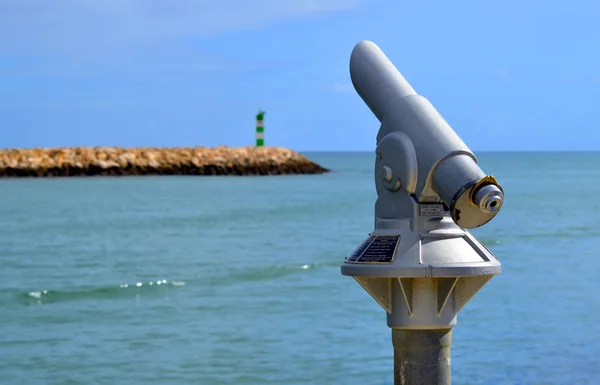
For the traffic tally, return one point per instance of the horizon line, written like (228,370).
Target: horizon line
(474,151)
(554,151)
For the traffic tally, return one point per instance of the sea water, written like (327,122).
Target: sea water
(236,280)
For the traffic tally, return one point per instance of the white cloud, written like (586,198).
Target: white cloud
(101,24)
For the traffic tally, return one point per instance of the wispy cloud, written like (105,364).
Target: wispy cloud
(341,87)
(145,36)
(161,61)
(102,24)
(502,73)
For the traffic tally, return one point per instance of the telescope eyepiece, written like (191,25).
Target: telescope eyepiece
(489,198)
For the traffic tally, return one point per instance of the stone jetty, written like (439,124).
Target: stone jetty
(114,161)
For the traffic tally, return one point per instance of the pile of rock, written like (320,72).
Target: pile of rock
(91,161)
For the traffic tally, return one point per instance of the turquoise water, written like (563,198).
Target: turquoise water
(229,280)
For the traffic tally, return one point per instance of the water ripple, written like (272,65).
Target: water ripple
(107,292)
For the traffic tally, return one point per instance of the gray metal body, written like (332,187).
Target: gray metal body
(436,269)
(419,263)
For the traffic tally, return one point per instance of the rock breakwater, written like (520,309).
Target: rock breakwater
(114,161)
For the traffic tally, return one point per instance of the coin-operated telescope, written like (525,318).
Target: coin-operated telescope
(419,263)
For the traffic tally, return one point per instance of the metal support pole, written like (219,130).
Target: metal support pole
(422,357)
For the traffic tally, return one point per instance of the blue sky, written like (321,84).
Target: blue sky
(510,75)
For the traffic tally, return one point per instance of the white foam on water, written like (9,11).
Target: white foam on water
(37,294)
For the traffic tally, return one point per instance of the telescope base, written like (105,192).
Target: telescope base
(422,357)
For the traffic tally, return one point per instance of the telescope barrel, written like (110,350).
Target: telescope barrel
(446,166)
(376,79)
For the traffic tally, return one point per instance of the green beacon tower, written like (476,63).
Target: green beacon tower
(260,129)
